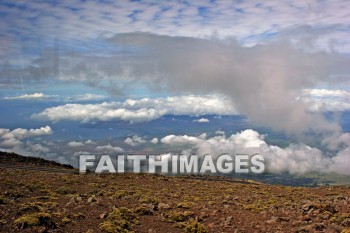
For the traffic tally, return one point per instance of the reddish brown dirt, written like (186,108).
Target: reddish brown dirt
(88,202)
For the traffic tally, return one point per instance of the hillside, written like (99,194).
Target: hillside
(52,198)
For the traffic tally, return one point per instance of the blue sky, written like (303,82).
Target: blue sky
(101,74)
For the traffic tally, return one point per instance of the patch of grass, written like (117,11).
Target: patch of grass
(120,220)
(31,207)
(2,222)
(177,216)
(13,194)
(35,219)
(193,226)
(2,201)
(37,206)
(121,194)
(185,205)
(78,216)
(66,220)
(144,210)
(259,206)
(149,200)
(65,190)
(338,218)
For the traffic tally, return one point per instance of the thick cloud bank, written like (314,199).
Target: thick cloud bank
(13,141)
(294,159)
(264,81)
(140,110)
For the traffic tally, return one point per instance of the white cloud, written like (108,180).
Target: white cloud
(109,149)
(102,112)
(220,132)
(90,142)
(134,140)
(12,138)
(74,98)
(11,141)
(27,96)
(21,133)
(85,97)
(154,140)
(38,148)
(75,144)
(201,120)
(326,99)
(326,93)
(295,159)
(249,20)
(77,153)
(180,140)
(140,110)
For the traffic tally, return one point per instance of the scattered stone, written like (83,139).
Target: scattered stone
(319,226)
(345,222)
(92,199)
(275,219)
(163,206)
(104,215)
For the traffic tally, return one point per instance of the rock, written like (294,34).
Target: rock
(307,228)
(271,221)
(163,206)
(307,218)
(203,215)
(306,207)
(71,202)
(319,226)
(340,197)
(345,223)
(275,219)
(92,199)
(104,215)
(325,216)
(214,213)
(297,223)
(282,219)
(211,225)
(3,222)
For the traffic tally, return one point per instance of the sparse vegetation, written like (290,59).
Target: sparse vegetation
(152,203)
(119,220)
(35,219)
(193,226)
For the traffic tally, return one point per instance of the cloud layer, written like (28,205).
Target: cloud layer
(140,110)
(27,96)
(264,82)
(294,159)
(75,21)
(327,100)
(12,140)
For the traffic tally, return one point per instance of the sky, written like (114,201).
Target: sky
(204,77)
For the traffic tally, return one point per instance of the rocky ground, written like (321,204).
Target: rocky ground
(52,201)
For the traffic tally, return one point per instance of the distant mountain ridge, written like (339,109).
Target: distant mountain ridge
(20,160)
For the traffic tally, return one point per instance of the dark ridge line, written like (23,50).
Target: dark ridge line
(8,166)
